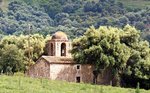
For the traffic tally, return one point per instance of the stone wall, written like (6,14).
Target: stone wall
(105,78)
(40,69)
(68,72)
(87,73)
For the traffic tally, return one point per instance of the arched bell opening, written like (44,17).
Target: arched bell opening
(51,49)
(63,49)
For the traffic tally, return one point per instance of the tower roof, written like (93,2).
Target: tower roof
(60,35)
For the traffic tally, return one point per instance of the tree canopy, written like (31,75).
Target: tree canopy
(121,50)
(11,59)
(21,51)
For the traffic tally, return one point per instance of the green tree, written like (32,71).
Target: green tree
(11,59)
(113,48)
(33,44)
(52,8)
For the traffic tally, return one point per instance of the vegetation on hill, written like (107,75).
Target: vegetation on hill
(71,16)
(133,4)
(18,84)
(121,50)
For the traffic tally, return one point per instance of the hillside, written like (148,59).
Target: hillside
(4,4)
(19,84)
(135,3)
(71,16)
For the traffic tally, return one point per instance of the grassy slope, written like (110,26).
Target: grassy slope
(135,3)
(18,84)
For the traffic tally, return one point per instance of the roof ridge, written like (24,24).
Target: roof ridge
(55,59)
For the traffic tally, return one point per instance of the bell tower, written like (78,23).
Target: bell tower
(59,45)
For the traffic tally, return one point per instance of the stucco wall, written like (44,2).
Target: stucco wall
(55,50)
(69,72)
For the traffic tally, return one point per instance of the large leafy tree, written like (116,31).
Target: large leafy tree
(11,59)
(32,46)
(121,50)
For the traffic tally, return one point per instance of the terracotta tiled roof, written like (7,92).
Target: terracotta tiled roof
(59,60)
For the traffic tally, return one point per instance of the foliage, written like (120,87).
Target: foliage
(19,15)
(121,50)
(19,84)
(11,59)
(22,45)
(48,15)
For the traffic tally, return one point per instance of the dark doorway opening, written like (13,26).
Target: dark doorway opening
(78,80)
(95,75)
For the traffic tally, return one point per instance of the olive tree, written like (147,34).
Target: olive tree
(113,48)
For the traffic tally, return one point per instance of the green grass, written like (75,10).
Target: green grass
(20,84)
(135,3)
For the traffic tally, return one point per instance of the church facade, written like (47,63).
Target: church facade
(59,64)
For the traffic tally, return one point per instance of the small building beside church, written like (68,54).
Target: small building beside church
(59,64)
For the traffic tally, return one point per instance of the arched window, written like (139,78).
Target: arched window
(63,49)
(51,49)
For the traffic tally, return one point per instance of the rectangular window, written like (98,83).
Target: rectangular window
(78,66)
(78,79)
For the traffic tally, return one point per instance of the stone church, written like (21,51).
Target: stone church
(59,64)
